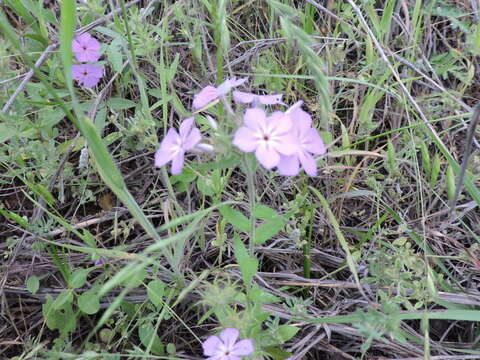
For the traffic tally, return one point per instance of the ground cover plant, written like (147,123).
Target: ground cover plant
(225,180)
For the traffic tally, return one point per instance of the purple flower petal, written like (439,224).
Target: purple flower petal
(270,99)
(245,139)
(313,143)
(243,348)
(255,119)
(243,97)
(192,139)
(87,75)
(171,142)
(177,163)
(162,157)
(185,127)
(205,96)
(279,123)
(308,162)
(288,165)
(229,336)
(225,87)
(86,48)
(267,156)
(211,345)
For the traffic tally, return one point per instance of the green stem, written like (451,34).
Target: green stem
(307,261)
(251,201)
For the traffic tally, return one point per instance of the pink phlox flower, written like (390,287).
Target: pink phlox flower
(268,137)
(308,142)
(87,75)
(210,93)
(226,346)
(175,144)
(86,48)
(248,98)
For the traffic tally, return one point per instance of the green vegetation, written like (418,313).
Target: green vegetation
(105,256)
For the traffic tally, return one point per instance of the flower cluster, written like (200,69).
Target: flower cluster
(86,50)
(226,346)
(286,140)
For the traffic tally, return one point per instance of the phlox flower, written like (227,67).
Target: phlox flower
(226,346)
(269,137)
(86,48)
(87,75)
(175,144)
(248,98)
(210,93)
(307,142)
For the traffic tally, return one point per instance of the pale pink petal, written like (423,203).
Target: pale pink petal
(76,46)
(308,162)
(185,127)
(77,72)
(237,82)
(171,141)
(245,139)
(243,97)
(205,96)
(302,120)
(279,123)
(313,143)
(242,348)
(204,147)
(229,336)
(212,122)
(295,106)
(211,345)
(162,157)
(288,165)
(287,144)
(90,81)
(177,163)
(225,87)
(219,357)
(255,119)
(267,156)
(192,139)
(95,70)
(270,99)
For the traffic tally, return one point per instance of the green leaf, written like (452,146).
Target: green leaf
(286,332)
(64,298)
(89,302)
(264,212)
(150,339)
(33,284)
(248,264)
(135,279)
(6,133)
(236,218)
(155,291)
(259,296)
(78,278)
(63,319)
(14,217)
(115,55)
(266,231)
(67,28)
(120,104)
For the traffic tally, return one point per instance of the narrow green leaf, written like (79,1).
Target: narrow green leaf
(248,264)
